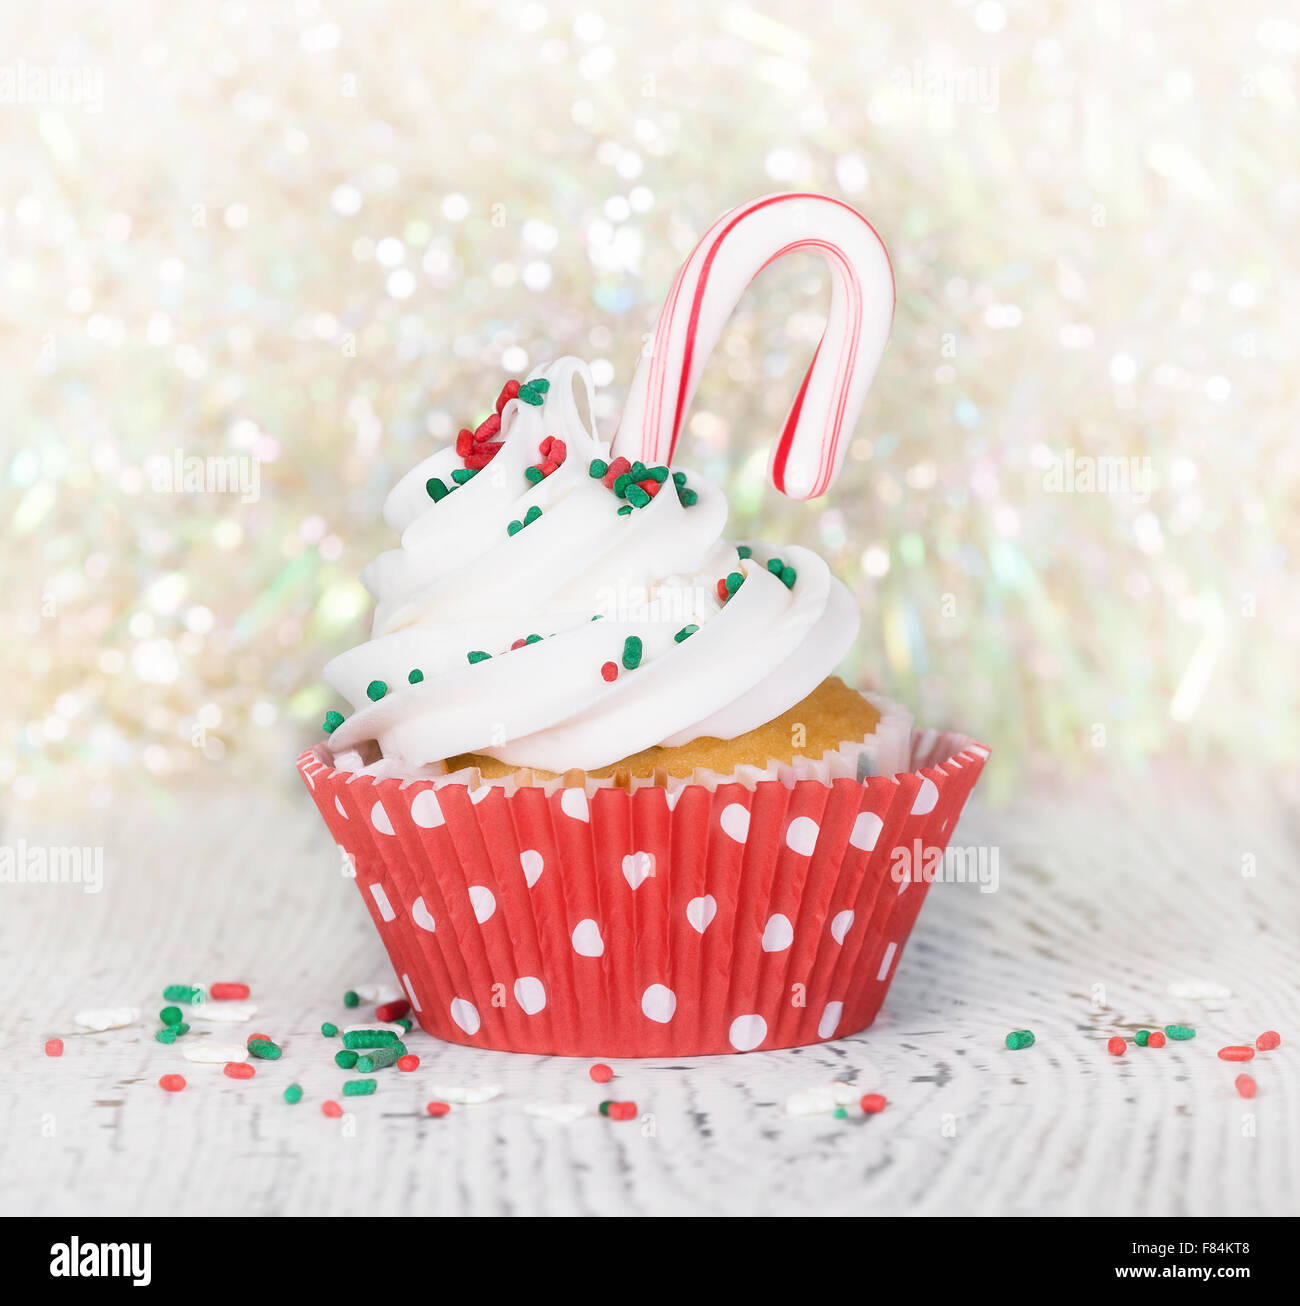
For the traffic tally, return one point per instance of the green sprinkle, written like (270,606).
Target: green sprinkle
(463,474)
(637,471)
(685,633)
(477,656)
(632,652)
(377,1059)
(734,581)
(364,1087)
(597,468)
(332,722)
(744,551)
(415,676)
(171,1016)
(293,1093)
(532,515)
(191,993)
(774,565)
(840,1113)
(636,496)
(329,1029)
(351,999)
(679,479)
(625,510)
(604,1108)
(533,474)
(167,1035)
(529,395)
(533,639)
(1140,1038)
(1020,1038)
(263,1049)
(1180,1033)
(345,1060)
(788,577)
(688,498)
(404,1023)
(514,528)
(437,488)
(621,483)
(541,385)
(370,1038)
(375,690)
(659,474)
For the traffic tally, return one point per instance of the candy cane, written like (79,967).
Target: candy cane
(807,456)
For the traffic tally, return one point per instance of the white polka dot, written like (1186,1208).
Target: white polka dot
(658,1003)
(978,749)
(637,867)
(530,993)
(381,901)
(886,961)
(735,822)
(465,1014)
(421,915)
(483,900)
(827,1025)
(410,992)
(866,830)
(338,807)
(926,797)
(533,865)
(586,939)
(476,796)
(801,835)
(778,933)
(379,819)
(747,1032)
(425,811)
(700,911)
(573,802)
(841,923)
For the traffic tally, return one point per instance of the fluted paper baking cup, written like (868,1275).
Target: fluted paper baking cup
(601,921)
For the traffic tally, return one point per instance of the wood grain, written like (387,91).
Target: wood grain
(1109,890)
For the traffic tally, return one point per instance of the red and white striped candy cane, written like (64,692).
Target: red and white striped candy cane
(810,450)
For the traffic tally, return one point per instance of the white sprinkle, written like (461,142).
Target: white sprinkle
(466,1095)
(379,992)
(1199,990)
(224,1013)
(100,1018)
(561,1111)
(821,1100)
(209,1050)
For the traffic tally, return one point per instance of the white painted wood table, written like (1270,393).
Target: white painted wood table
(1109,891)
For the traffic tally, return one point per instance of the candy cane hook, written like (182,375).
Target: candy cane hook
(810,450)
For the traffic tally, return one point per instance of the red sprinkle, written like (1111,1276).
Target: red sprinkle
(54,1047)
(465,442)
(610,671)
(871,1103)
(1117,1047)
(487,428)
(266,1038)
(1237,1052)
(1245,1085)
(558,451)
(615,470)
(1268,1040)
(393,1010)
(519,643)
(622,1110)
(509,391)
(1157,1039)
(650,487)
(331,1109)
(408,1062)
(227,992)
(722,590)
(239,1070)
(172,1083)
(438,1108)
(601,1073)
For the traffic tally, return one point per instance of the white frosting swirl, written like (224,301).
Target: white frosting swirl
(461,583)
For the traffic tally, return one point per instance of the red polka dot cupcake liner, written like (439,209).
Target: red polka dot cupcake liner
(603,922)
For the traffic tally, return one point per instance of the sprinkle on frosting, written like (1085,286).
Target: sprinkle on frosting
(332,722)
(729,585)
(632,652)
(529,517)
(463,474)
(416,676)
(477,655)
(685,633)
(744,551)
(375,690)
(437,488)
(597,468)
(610,670)
(784,573)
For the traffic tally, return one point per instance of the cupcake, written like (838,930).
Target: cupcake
(602,790)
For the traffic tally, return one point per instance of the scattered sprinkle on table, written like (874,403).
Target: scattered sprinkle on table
(171,1016)
(53,1047)
(264,1049)
(1116,1046)
(345,1059)
(840,1113)
(1141,1037)
(331,1109)
(438,1108)
(225,1013)
(601,1073)
(1245,1085)
(1181,1033)
(392,1010)
(467,1094)
(227,992)
(1268,1040)
(330,1030)
(872,1103)
(1020,1038)
(376,1059)
(1156,1039)
(1236,1052)
(238,1070)
(211,1051)
(191,993)
(359,1087)
(172,1083)
(102,1018)
(351,999)
(409,1062)
(293,1093)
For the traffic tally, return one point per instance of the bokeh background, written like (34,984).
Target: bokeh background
(320,234)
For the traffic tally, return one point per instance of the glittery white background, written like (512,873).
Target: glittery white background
(318,235)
